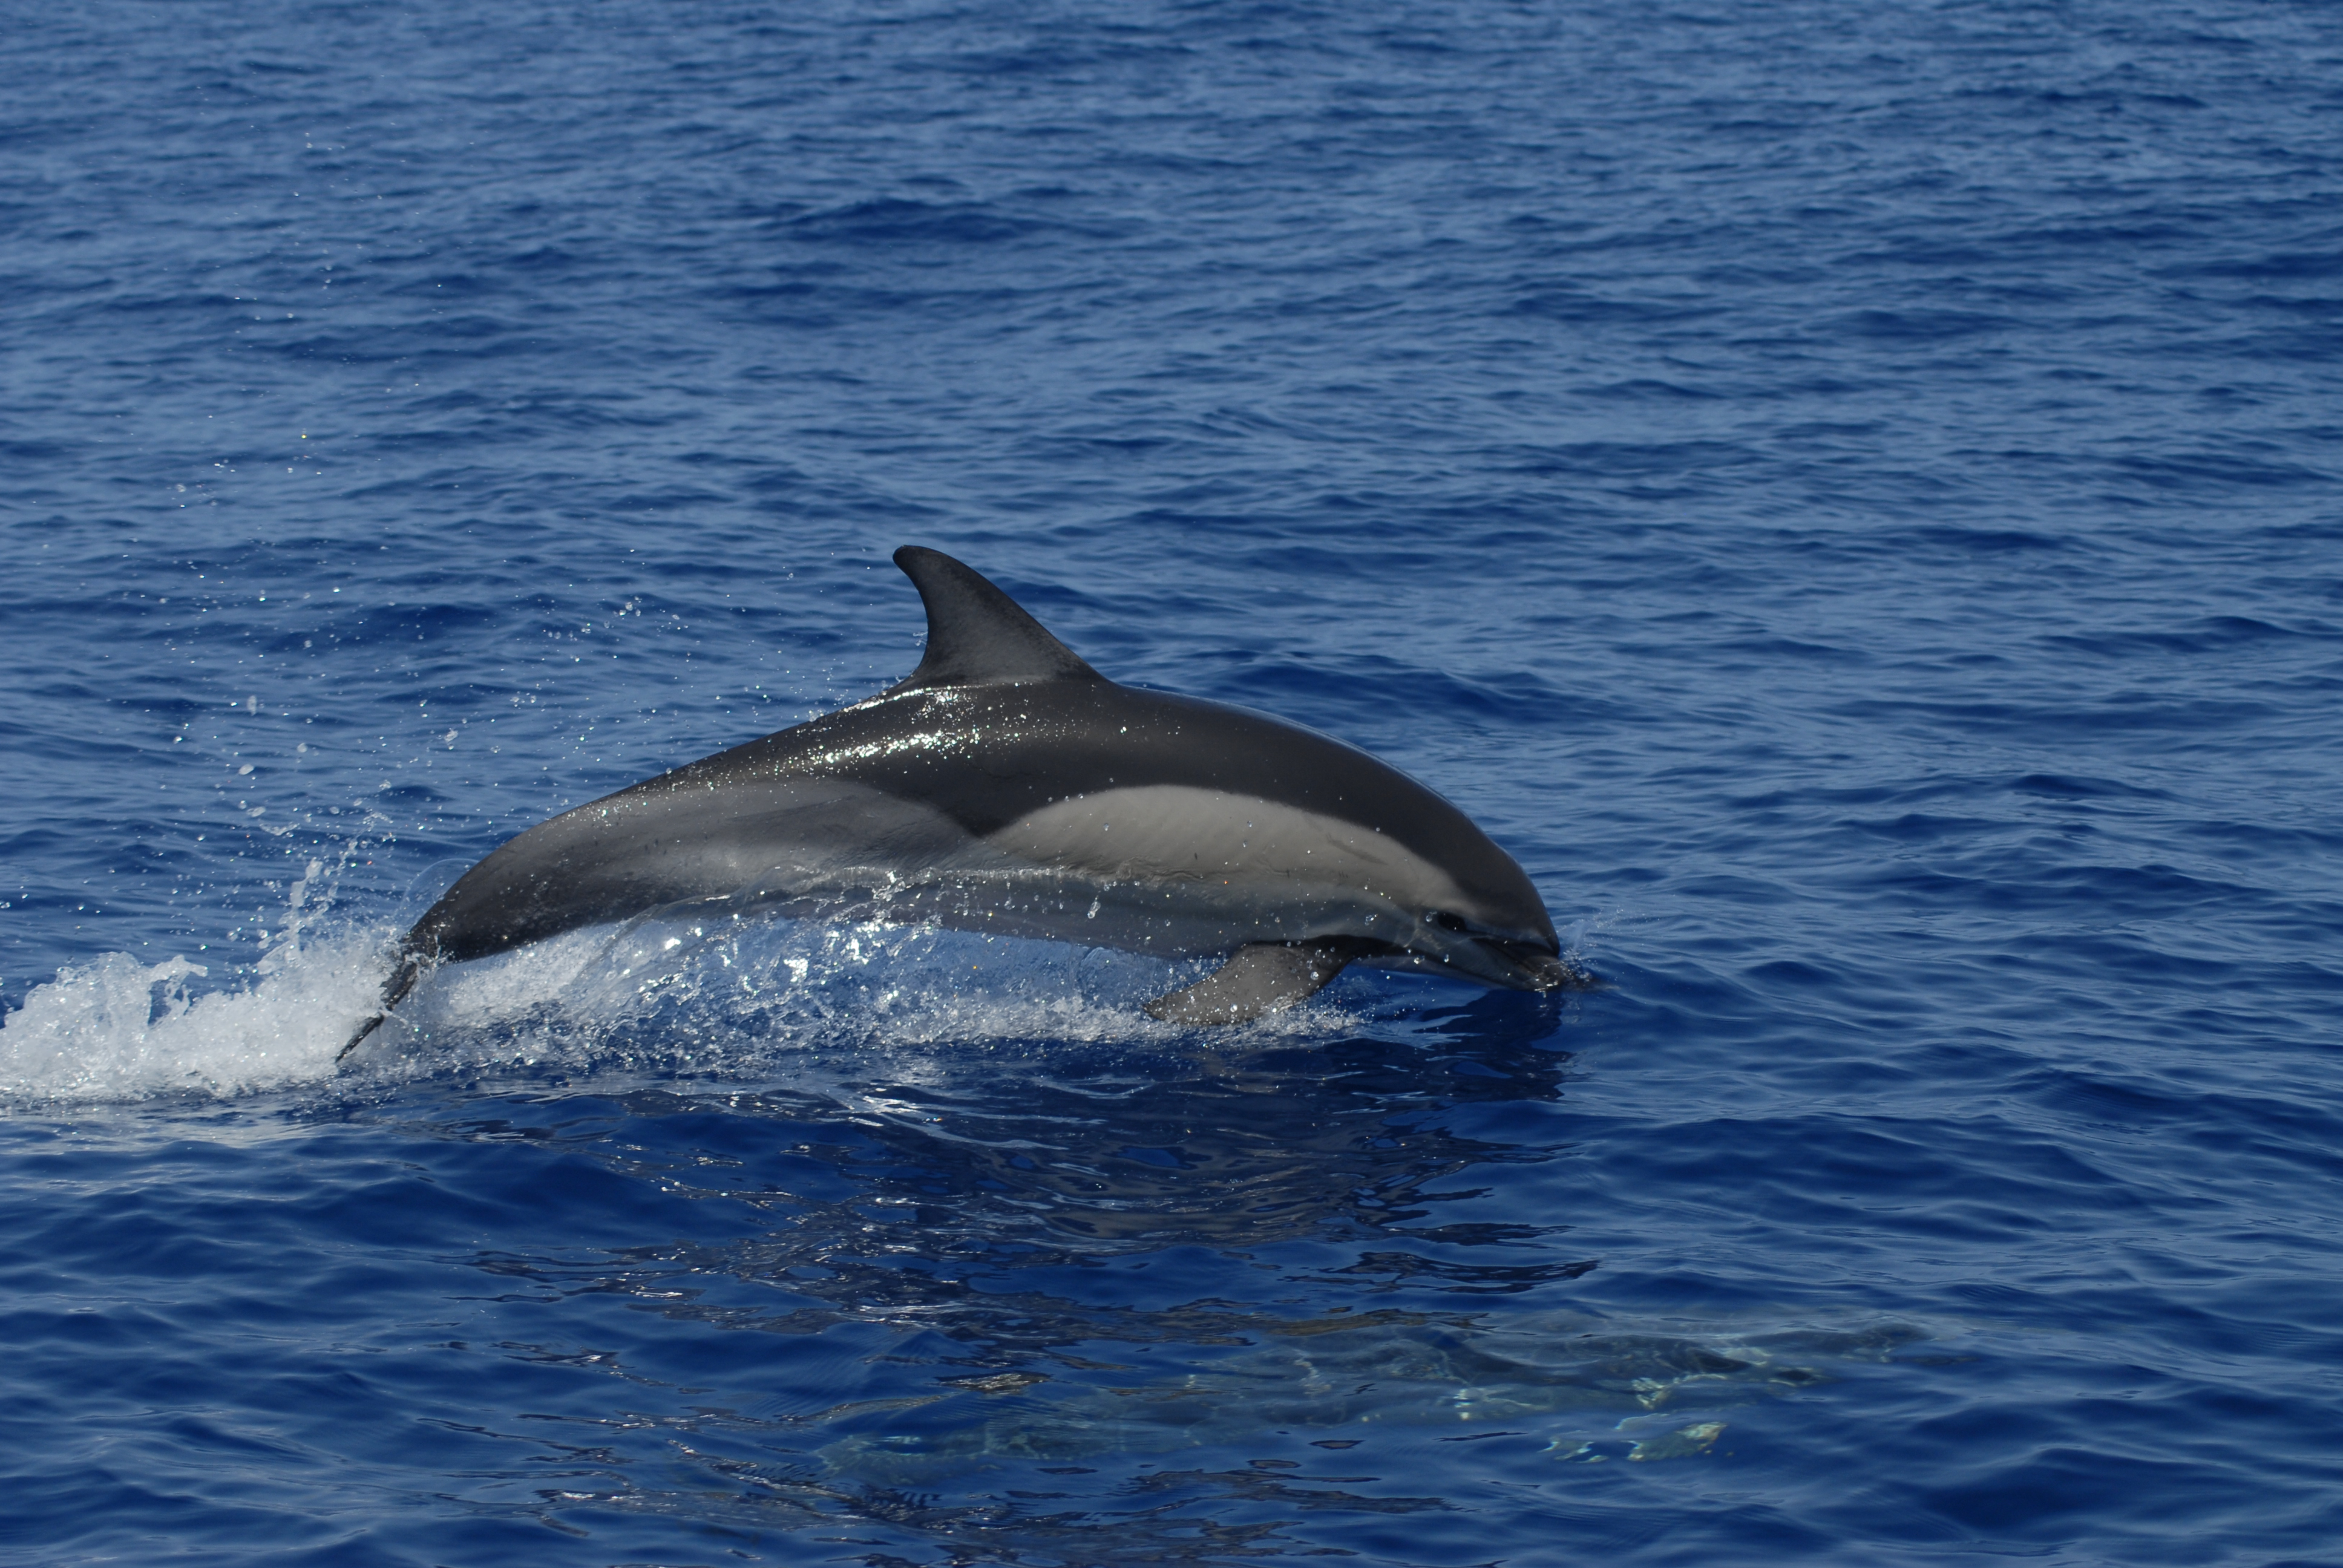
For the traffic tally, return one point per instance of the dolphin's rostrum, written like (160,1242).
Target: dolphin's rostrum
(1007,786)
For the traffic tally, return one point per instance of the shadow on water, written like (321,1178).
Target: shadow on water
(1077,1303)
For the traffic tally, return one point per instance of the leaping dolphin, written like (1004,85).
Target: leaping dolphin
(1006,786)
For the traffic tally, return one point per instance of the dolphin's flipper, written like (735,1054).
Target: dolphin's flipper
(1259,977)
(977,635)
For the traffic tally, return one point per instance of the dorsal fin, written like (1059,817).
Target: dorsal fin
(977,635)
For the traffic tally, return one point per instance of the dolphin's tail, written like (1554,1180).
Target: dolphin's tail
(402,979)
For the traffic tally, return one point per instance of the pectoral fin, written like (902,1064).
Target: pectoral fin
(1259,977)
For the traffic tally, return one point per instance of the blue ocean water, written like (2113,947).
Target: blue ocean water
(1847,495)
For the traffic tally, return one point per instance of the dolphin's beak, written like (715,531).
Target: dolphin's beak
(1528,966)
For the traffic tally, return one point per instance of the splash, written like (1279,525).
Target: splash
(120,1028)
(742,1000)
(745,999)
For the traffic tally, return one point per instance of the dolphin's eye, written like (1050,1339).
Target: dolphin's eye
(1446,921)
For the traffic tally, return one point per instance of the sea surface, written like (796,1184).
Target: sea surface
(1849,494)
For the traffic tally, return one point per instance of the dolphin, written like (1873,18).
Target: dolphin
(1006,786)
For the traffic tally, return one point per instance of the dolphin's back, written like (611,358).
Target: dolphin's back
(982,781)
